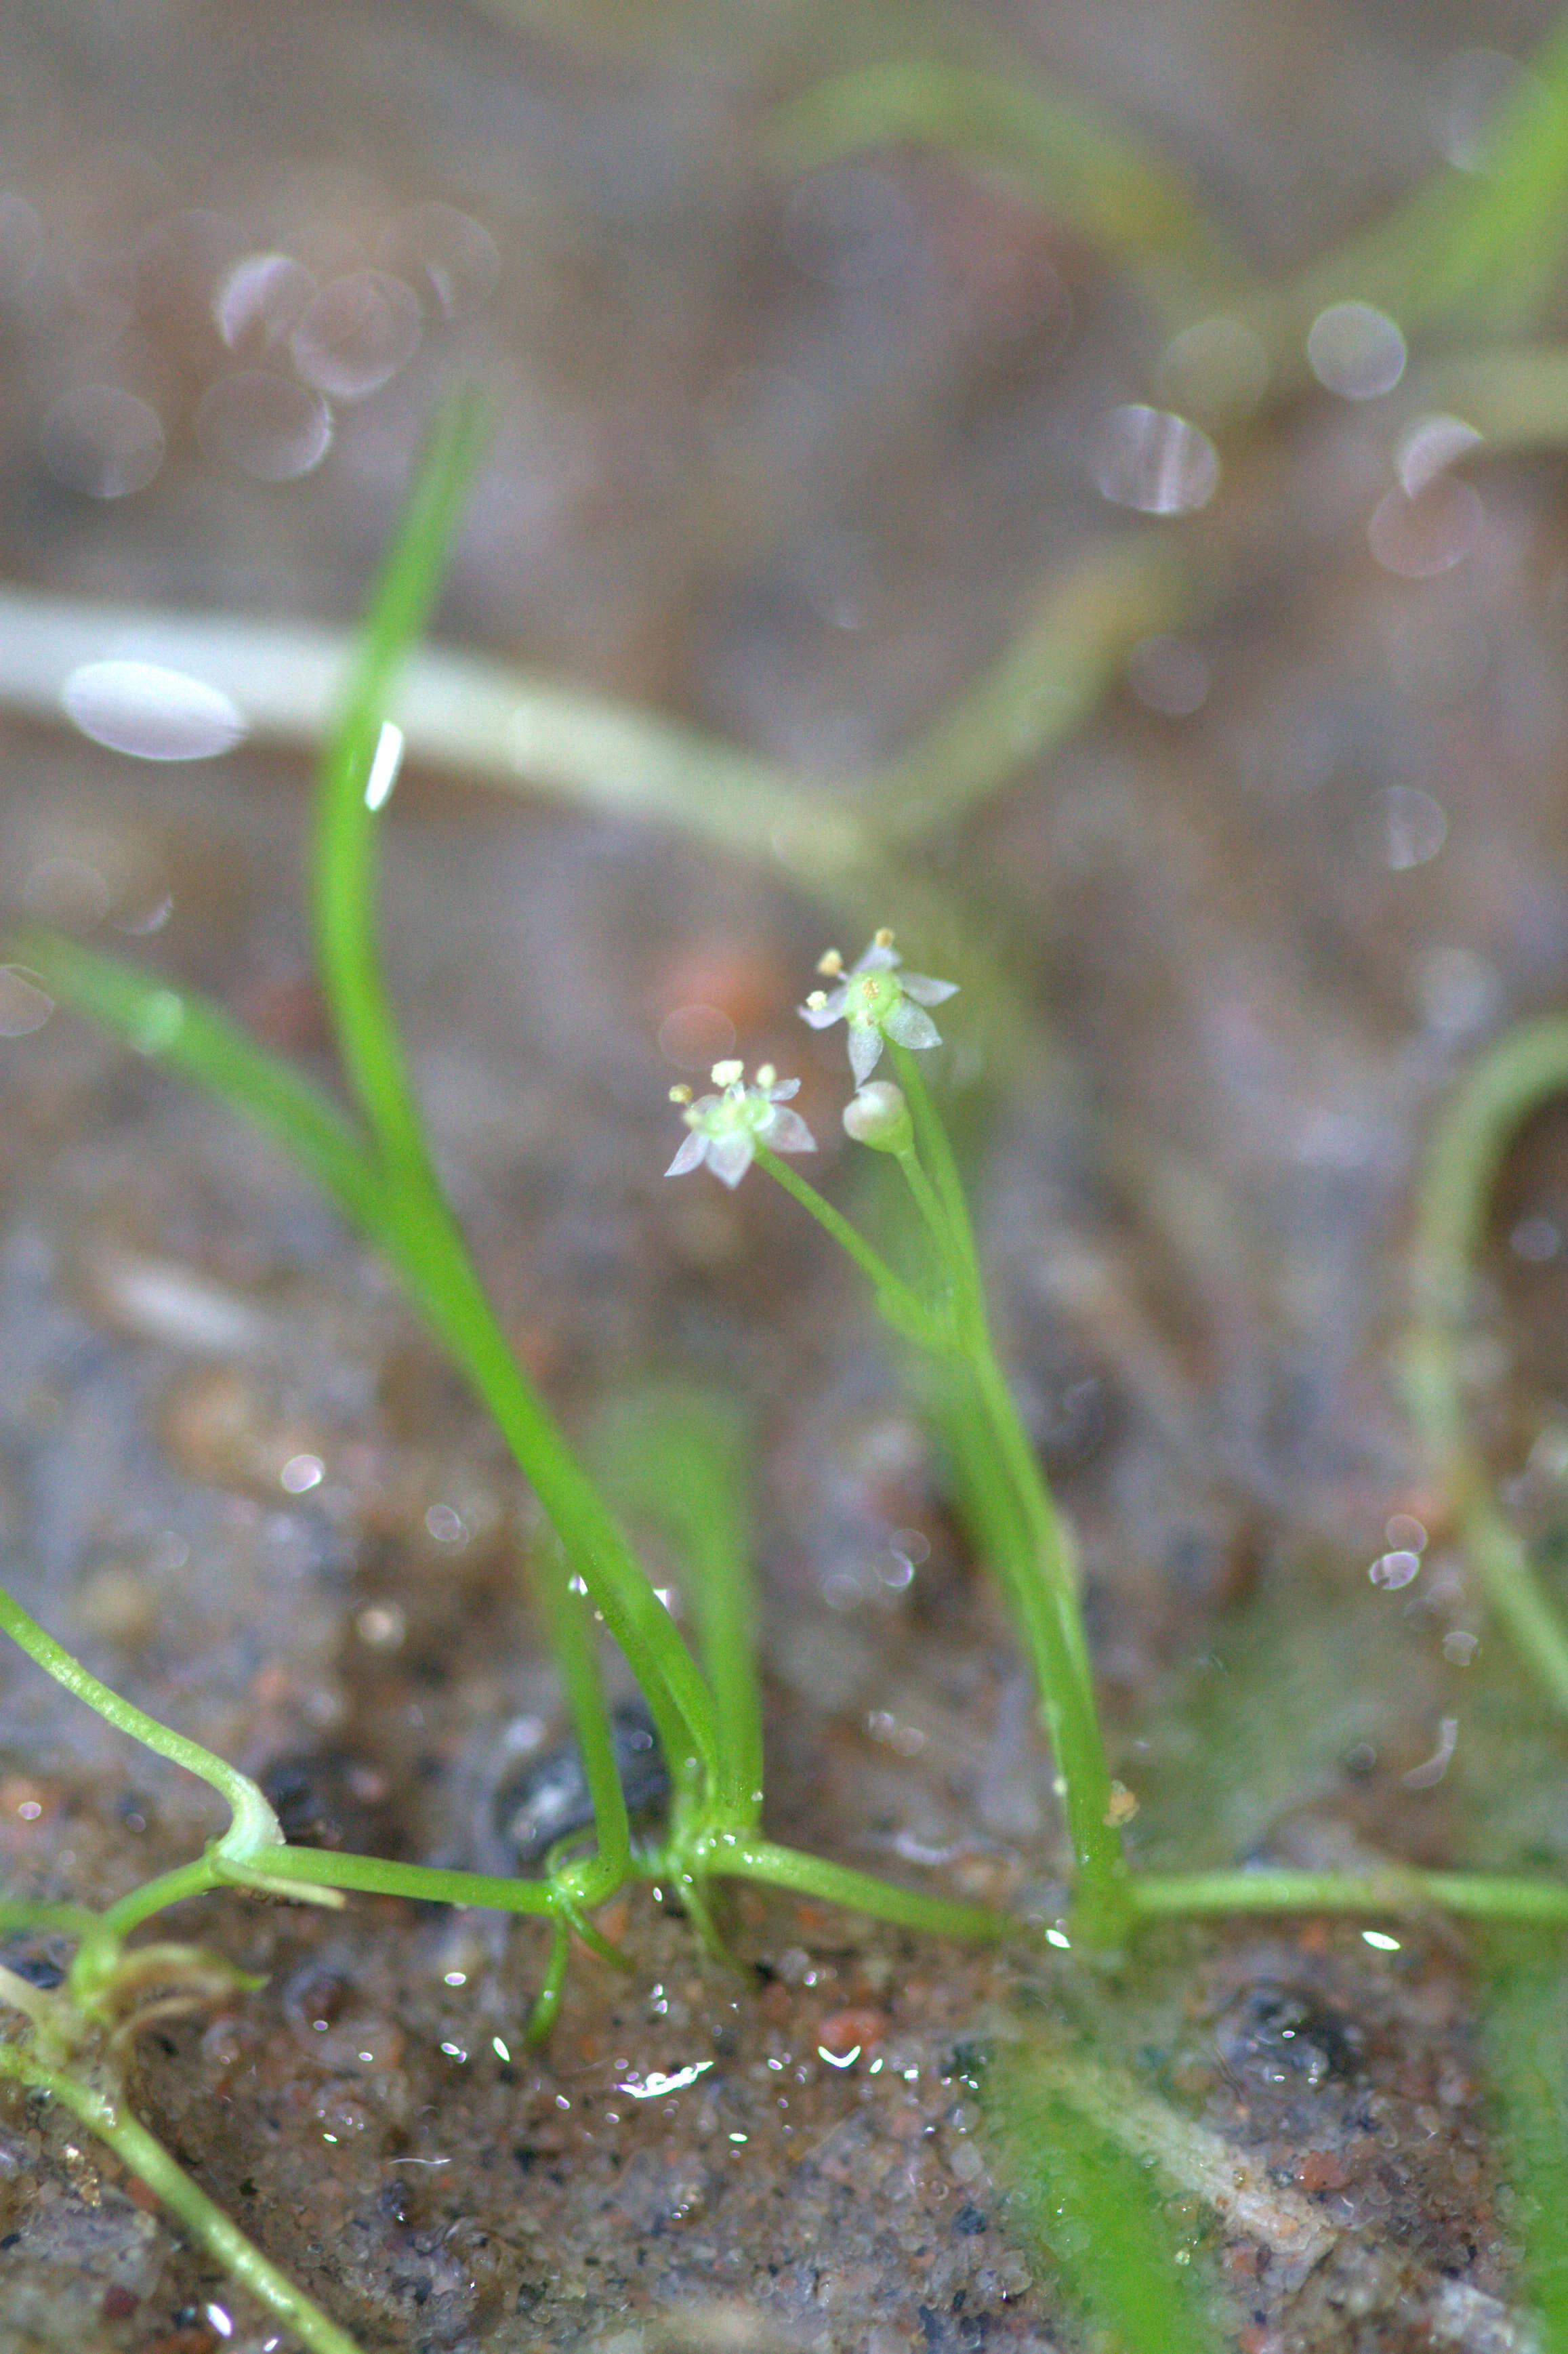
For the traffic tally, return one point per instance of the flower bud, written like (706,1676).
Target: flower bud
(878,1116)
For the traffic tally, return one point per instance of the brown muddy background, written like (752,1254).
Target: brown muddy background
(785,457)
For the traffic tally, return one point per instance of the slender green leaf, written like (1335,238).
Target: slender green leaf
(184,1030)
(678,1460)
(1088,2200)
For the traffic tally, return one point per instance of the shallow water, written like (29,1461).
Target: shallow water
(785,458)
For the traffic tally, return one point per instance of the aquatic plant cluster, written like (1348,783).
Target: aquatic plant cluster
(371,1158)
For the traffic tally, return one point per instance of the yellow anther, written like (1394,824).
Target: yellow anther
(766,1076)
(831,962)
(817,1000)
(680,1093)
(885,937)
(725,1074)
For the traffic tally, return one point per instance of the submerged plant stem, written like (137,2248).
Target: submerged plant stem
(208,2225)
(1526,1068)
(1492,1896)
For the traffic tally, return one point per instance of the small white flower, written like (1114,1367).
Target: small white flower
(878,1001)
(727,1128)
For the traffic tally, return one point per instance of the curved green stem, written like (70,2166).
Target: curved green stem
(908,1314)
(1025,1536)
(207,2223)
(254,1825)
(1525,1069)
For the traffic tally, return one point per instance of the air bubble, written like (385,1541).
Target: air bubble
(1403,827)
(24,1006)
(151,713)
(266,425)
(103,442)
(1418,538)
(358,334)
(1355,351)
(263,297)
(450,260)
(695,1037)
(1428,447)
(1168,675)
(1217,370)
(65,892)
(1478,84)
(1155,461)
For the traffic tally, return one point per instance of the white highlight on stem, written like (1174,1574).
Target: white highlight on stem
(383,767)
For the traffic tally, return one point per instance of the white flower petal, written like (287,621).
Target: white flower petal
(729,1157)
(831,1010)
(783,1091)
(924,990)
(788,1133)
(691,1155)
(909,1026)
(865,1051)
(877,959)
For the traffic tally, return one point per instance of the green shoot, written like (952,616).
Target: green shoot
(147,2157)
(677,1461)
(1089,2204)
(1525,1069)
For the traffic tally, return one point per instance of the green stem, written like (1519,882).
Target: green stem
(735,1857)
(208,2224)
(909,1314)
(1525,1069)
(343,860)
(1038,1574)
(426,1244)
(433,1263)
(547,2002)
(937,1157)
(567,1619)
(254,1826)
(930,1209)
(1484,1895)
(376,1876)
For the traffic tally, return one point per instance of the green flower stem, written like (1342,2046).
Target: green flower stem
(1483,1895)
(207,2223)
(930,1209)
(1526,1068)
(937,1158)
(737,1857)
(909,1314)
(1037,1573)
